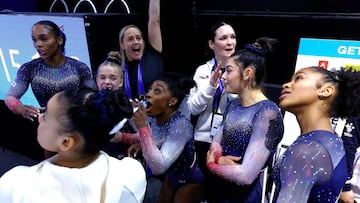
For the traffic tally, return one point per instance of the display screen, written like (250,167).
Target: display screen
(327,53)
(16,47)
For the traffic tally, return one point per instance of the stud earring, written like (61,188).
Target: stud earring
(169,105)
(321,95)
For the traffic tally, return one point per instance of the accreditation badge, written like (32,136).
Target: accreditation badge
(215,123)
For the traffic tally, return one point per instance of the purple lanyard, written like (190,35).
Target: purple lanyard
(141,89)
(218,91)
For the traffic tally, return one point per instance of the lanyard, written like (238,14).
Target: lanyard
(218,91)
(141,89)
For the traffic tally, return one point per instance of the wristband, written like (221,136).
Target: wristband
(12,104)
(211,165)
(217,156)
(144,131)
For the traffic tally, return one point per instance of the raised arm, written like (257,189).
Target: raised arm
(154,30)
(202,95)
(160,153)
(160,159)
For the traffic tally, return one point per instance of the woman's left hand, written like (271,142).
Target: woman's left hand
(228,160)
(134,150)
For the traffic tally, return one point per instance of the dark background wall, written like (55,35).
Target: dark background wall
(185,24)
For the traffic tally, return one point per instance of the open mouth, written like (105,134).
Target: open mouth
(136,50)
(107,87)
(147,106)
(41,53)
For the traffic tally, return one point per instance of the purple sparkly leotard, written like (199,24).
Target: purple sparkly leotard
(46,81)
(252,133)
(312,169)
(169,148)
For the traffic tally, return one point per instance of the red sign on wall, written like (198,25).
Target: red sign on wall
(323,64)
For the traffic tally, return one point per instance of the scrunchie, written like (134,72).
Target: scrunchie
(113,105)
(99,103)
(119,105)
(255,49)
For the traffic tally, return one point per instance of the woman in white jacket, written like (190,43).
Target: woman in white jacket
(208,100)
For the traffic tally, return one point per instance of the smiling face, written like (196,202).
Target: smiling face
(232,78)
(133,44)
(45,41)
(302,90)
(109,77)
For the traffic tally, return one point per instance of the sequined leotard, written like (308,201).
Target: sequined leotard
(169,148)
(46,81)
(312,169)
(251,133)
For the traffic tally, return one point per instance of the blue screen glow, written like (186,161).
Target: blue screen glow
(16,46)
